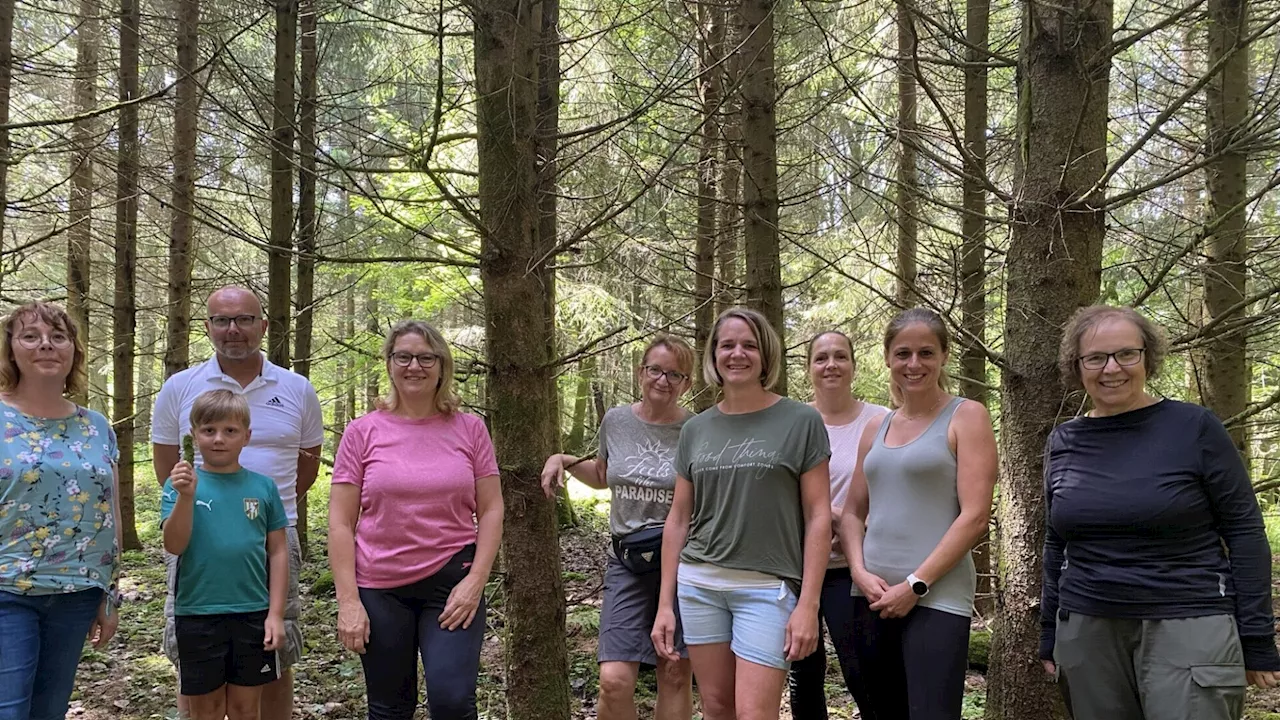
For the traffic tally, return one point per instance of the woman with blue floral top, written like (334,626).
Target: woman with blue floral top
(59,540)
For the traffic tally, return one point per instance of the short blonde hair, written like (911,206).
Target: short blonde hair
(447,401)
(214,406)
(1155,345)
(56,318)
(766,336)
(685,358)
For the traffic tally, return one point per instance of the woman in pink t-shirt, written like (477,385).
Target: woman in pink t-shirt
(415,521)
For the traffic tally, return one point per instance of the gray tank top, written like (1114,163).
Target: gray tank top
(912,503)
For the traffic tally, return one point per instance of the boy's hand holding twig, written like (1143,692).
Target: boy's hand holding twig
(183,479)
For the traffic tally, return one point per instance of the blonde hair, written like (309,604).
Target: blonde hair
(447,401)
(1155,345)
(56,318)
(685,358)
(929,319)
(766,336)
(213,406)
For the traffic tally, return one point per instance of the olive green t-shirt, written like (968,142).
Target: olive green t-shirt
(745,471)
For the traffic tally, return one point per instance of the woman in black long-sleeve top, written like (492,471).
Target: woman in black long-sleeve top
(1157,591)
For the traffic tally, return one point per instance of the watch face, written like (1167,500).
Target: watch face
(919,588)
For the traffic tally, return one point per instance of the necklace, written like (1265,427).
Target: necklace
(926,413)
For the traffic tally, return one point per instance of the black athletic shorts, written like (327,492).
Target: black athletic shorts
(217,650)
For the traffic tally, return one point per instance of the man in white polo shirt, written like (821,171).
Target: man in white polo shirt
(287,432)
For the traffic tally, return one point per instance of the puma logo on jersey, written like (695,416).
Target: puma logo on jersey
(208,504)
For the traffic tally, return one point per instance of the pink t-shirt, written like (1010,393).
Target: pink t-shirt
(417,481)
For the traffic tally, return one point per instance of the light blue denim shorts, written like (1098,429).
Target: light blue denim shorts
(752,620)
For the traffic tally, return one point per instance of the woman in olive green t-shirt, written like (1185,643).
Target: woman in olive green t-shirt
(752,500)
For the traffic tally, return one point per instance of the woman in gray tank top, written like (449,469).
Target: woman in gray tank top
(919,500)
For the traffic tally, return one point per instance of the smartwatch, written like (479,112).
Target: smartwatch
(918,586)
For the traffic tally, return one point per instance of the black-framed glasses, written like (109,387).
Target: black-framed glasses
(404,359)
(1124,358)
(654,372)
(222,322)
(30,339)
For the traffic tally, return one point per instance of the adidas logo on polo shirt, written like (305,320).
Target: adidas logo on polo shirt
(275,402)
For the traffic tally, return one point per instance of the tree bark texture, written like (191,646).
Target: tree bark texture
(973,268)
(279,256)
(1226,383)
(125,307)
(520,374)
(182,201)
(1053,267)
(80,215)
(710,53)
(907,191)
(760,167)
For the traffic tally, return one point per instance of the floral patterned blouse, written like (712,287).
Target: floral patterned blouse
(57,490)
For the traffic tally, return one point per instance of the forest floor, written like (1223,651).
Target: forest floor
(131,679)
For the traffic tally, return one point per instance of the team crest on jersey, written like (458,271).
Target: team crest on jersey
(251,508)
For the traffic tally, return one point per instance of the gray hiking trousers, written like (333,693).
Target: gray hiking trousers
(1121,669)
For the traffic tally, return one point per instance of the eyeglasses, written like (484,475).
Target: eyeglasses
(32,340)
(404,359)
(1124,358)
(653,372)
(222,322)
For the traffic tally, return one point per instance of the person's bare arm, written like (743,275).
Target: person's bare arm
(163,458)
(308,468)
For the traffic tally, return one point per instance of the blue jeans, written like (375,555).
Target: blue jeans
(41,637)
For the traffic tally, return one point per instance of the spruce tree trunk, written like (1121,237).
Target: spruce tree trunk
(80,215)
(1053,266)
(973,269)
(710,51)
(521,386)
(279,257)
(183,193)
(1226,371)
(6,83)
(907,192)
(125,306)
(760,168)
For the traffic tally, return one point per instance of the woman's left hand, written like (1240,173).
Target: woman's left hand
(104,625)
(897,602)
(1265,679)
(802,634)
(463,601)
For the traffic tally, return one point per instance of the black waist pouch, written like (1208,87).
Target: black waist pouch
(640,551)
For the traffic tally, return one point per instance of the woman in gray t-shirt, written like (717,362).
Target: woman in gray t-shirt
(636,463)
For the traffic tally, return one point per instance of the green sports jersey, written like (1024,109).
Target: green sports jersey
(224,568)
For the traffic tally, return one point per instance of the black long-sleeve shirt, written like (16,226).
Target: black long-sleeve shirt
(1150,515)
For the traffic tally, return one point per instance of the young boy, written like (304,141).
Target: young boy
(227,527)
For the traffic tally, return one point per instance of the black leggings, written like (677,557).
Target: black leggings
(807,679)
(913,667)
(404,622)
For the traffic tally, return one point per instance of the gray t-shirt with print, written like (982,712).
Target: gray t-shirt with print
(640,469)
(745,469)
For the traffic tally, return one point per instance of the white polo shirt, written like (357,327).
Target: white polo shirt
(284,416)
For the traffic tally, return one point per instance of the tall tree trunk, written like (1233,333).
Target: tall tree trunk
(6,83)
(124,315)
(183,200)
(1226,372)
(1053,266)
(279,257)
(520,376)
(373,370)
(973,226)
(710,52)
(307,216)
(760,168)
(907,192)
(729,222)
(145,359)
(80,232)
